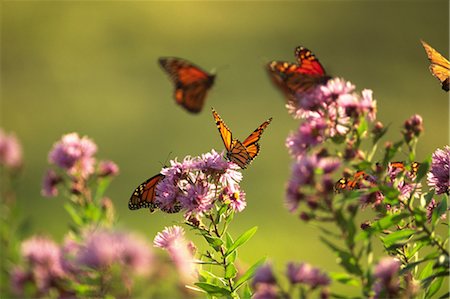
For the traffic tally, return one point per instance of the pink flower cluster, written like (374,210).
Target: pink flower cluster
(180,251)
(195,185)
(48,266)
(75,157)
(10,151)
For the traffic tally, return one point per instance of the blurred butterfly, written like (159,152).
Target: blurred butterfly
(241,153)
(301,77)
(191,82)
(439,67)
(356,181)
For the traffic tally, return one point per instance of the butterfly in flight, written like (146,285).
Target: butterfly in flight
(241,153)
(191,82)
(302,76)
(360,178)
(439,67)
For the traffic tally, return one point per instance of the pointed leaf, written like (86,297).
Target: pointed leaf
(400,236)
(242,239)
(249,273)
(212,289)
(230,271)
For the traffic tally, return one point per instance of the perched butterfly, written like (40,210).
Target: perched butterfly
(144,195)
(191,82)
(241,153)
(301,77)
(439,67)
(356,181)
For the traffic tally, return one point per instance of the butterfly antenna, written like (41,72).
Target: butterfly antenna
(165,161)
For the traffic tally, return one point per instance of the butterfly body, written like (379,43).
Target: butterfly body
(144,194)
(191,82)
(439,67)
(241,153)
(299,77)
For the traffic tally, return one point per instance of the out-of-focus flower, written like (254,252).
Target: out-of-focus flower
(195,184)
(266,291)
(310,133)
(10,150)
(438,177)
(386,274)
(44,259)
(306,274)
(412,127)
(101,249)
(173,240)
(107,168)
(51,180)
(74,154)
(264,274)
(18,279)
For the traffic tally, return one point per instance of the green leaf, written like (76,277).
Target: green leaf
(362,128)
(344,278)
(74,214)
(388,221)
(247,294)
(346,260)
(102,185)
(423,170)
(212,289)
(400,236)
(228,240)
(426,271)
(419,244)
(213,241)
(249,273)
(439,211)
(230,271)
(241,240)
(434,287)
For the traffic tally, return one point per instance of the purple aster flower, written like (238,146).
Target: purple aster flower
(387,268)
(18,280)
(405,185)
(310,133)
(44,257)
(172,239)
(107,168)
(10,150)
(198,198)
(336,87)
(306,274)
(386,274)
(430,208)
(74,154)
(101,249)
(197,183)
(264,274)
(412,127)
(438,177)
(265,291)
(368,104)
(51,180)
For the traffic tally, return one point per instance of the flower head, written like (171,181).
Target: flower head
(74,154)
(439,176)
(173,241)
(386,274)
(306,274)
(412,127)
(107,168)
(51,180)
(264,274)
(10,150)
(195,184)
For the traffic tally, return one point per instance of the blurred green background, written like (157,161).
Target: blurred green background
(91,67)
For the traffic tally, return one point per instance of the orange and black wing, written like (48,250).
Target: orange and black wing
(250,142)
(191,82)
(439,67)
(350,183)
(239,154)
(144,195)
(225,133)
(288,79)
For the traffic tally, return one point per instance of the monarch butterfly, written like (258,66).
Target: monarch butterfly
(355,182)
(191,82)
(241,153)
(439,67)
(144,195)
(302,77)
